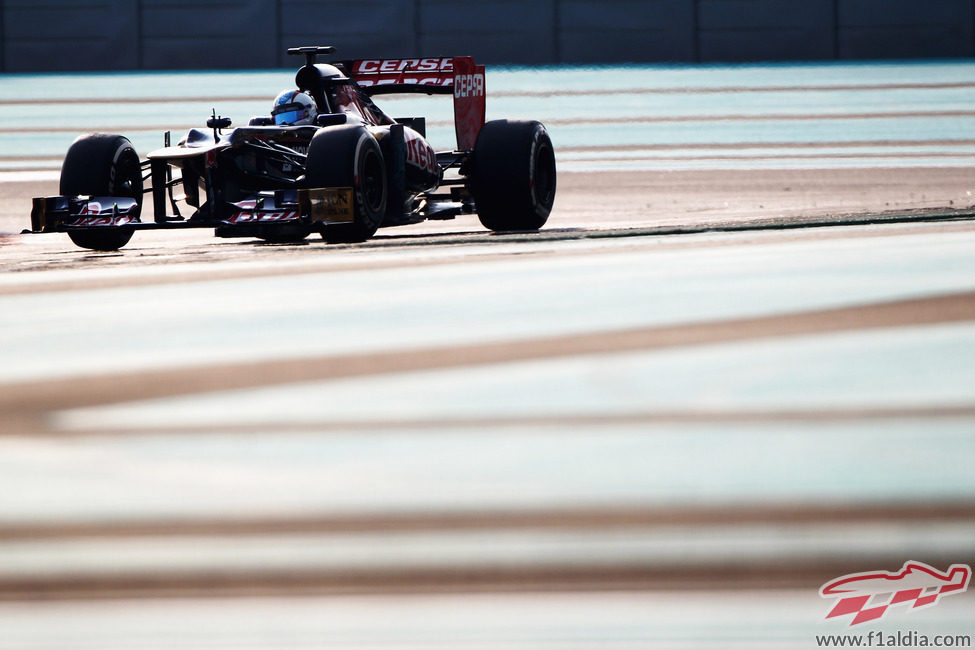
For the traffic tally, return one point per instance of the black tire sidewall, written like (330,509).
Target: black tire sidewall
(100,164)
(96,164)
(340,156)
(510,159)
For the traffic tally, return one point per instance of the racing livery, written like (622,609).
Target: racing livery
(326,160)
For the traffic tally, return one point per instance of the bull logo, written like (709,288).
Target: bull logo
(867,596)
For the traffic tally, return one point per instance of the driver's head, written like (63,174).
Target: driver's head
(293,107)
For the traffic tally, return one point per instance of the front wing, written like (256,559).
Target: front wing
(333,205)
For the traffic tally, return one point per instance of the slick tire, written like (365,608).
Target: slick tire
(512,177)
(349,156)
(101,164)
(285,234)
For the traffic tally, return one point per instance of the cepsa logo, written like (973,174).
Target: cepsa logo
(413,72)
(469,85)
(386,66)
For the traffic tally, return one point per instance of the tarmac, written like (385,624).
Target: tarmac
(737,363)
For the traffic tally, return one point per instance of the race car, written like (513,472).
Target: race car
(326,160)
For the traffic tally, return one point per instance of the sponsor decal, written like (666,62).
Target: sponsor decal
(469,85)
(329,205)
(101,221)
(469,101)
(400,80)
(262,217)
(94,213)
(379,66)
(868,596)
(92,207)
(404,72)
(420,154)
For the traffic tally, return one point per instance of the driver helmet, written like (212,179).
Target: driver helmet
(293,107)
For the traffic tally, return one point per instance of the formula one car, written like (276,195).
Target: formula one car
(327,160)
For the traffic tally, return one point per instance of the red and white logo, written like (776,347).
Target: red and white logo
(375,66)
(867,596)
(408,72)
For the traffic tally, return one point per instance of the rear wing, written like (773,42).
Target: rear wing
(457,75)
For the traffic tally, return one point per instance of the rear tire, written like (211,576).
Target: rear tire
(513,175)
(349,156)
(101,164)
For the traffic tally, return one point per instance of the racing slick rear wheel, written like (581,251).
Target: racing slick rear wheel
(512,175)
(101,164)
(349,156)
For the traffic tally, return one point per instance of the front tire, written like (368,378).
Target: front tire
(513,175)
(349,156)
(101,164)
(285,234)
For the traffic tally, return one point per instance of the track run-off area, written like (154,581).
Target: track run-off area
(738,362)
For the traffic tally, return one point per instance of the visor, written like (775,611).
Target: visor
(289,113)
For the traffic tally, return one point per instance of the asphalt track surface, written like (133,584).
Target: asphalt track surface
(736,364)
